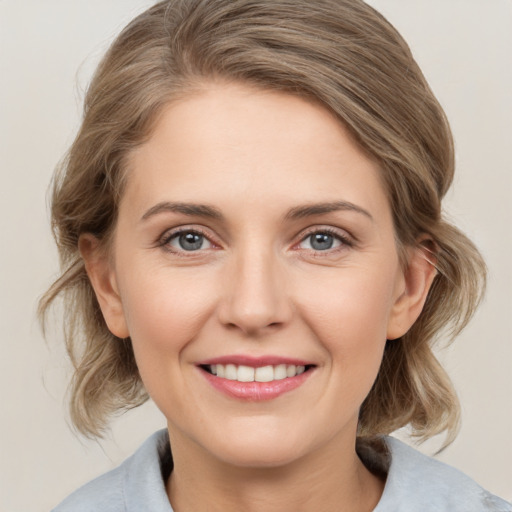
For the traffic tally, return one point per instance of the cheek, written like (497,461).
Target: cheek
(349,317)
(164,311)
(355,300)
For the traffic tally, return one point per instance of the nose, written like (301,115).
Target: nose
(255,298)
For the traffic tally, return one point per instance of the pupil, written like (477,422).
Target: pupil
(191,241)
(321,241)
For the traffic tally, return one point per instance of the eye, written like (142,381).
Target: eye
(323,241)
(187,241)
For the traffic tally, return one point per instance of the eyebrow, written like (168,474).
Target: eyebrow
(298,212)
(301,212)
(191,209)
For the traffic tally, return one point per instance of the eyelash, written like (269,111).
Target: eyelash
(345,240)
(167,237)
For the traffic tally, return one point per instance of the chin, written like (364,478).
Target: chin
(259,446)
(259,456)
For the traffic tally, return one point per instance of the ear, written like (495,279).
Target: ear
(102,276)
(414,287)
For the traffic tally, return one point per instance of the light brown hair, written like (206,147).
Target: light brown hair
(339,53)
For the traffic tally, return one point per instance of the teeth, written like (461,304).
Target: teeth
(245,374)
(280,372)
(231,373)
(261,374)
(264,374)
(291,370)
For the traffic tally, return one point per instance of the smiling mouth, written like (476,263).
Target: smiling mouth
(268,373)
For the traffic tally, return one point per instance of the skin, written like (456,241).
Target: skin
(257,286)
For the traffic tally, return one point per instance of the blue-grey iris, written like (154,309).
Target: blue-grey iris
(191,241)
(321,241)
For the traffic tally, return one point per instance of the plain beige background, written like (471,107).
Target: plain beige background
(47,52)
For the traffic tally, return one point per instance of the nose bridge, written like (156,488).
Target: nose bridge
(255,295)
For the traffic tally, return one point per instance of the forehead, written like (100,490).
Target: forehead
(230,141)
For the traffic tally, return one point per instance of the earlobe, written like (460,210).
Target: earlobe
(417,280)
(103,280)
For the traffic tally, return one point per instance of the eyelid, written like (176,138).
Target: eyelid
(346,239)
(164,239)
(342,235)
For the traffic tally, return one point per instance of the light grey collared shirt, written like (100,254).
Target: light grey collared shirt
(415,483)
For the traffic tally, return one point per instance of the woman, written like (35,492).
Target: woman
(249,222)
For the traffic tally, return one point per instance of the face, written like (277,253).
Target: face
(254,267)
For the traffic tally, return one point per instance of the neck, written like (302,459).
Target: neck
(328,480)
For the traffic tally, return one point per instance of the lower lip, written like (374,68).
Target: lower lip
(256,391)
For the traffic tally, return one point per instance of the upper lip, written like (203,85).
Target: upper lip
(254,361)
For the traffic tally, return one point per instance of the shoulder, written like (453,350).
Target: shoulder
(104,493)
(417,483)
(135,484)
